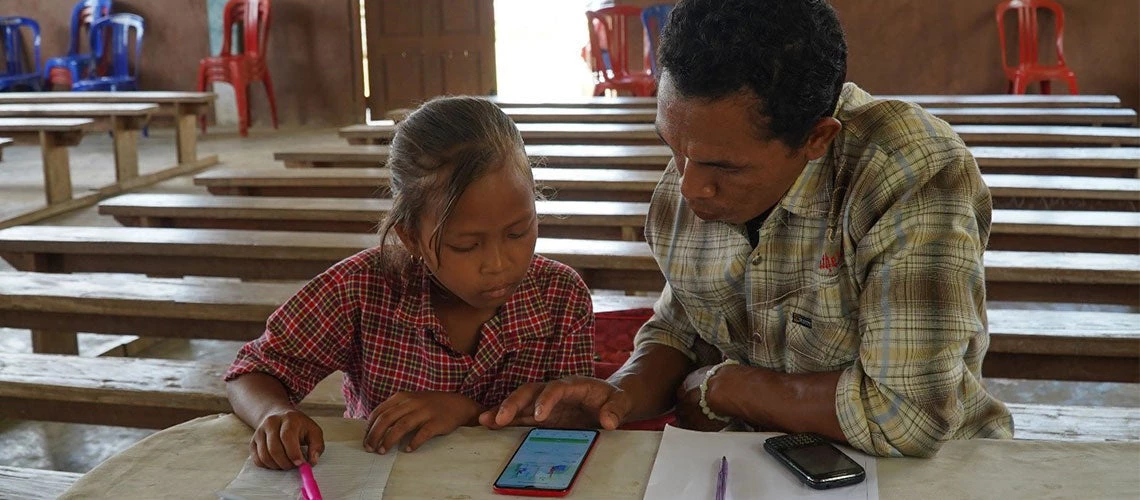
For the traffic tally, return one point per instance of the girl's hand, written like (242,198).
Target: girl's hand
(277,441)
(428,414)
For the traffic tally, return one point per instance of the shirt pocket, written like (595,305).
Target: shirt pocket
(711,327)
(820,343)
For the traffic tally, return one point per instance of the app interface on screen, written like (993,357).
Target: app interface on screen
(548,459)
(820,459)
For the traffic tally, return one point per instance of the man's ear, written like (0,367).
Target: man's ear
(821,136)
(411,243)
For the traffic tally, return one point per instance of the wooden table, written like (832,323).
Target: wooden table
(123,121)
(200,457)
(940,101)
(184,107)
(54,135)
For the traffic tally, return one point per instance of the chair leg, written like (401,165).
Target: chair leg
(241,90)
(1046,87)
(272,101)
(1019,85)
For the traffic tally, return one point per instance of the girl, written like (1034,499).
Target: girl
(438,325)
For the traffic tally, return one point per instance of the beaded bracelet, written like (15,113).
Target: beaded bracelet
(704,403)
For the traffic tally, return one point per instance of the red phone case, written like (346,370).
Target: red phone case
(533,492)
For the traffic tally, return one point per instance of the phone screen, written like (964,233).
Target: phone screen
(548,459)
(820,459)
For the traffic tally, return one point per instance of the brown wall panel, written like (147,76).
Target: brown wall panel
(315,74)
(940,47)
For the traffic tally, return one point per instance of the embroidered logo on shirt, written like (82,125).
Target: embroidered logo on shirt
(801,320)
(829,263)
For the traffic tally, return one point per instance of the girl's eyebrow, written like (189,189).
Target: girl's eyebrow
(525,218)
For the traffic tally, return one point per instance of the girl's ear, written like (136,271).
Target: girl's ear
(411,243)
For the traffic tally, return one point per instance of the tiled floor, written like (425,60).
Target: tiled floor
(78,448)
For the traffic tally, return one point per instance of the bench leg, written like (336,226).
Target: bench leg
(186,130)
(126,139)
(57,167)
(54,342)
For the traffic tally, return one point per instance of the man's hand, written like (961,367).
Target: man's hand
(574,401)
(689,414)
(276,443)
(427,414)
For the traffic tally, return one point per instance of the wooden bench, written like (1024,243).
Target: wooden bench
(646,134)
(123,121)
(34,484)
(585,184)
(940,101)
(157,393)
(1030,230)
(956,116)
(1058,345)
(5,142)
(1094,278)
(183,107)
(1114,162)
(54,135)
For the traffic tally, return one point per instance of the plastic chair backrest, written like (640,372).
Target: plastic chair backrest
(1027,29)
(82,17)
(253,17)
(609,39)
(14,54)
(119,43)
(652,20)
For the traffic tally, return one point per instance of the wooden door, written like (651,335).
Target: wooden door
(418,49)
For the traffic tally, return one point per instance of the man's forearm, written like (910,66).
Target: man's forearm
(650,378)
(777,401)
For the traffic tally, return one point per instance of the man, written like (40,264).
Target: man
(826,246)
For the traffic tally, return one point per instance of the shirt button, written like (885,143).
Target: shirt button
(757,259)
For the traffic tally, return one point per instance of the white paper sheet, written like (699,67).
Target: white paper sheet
(688,461)
(344,471)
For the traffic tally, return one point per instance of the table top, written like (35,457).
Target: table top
(200,457)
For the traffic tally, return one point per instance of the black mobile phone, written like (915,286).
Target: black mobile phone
(816,462)
(546,463)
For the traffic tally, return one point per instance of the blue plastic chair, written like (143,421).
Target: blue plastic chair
(123,74)
(83,16)
(652,20)
(16,76)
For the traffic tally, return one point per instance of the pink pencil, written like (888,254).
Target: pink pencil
(309,488)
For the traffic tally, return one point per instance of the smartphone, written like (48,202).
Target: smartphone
(816,462)
(547,462)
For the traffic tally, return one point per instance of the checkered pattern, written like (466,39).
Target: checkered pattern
(871,265)
(382,333)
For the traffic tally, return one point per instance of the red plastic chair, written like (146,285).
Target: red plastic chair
(613,341)
(244,62)
(609,47)
(1028,68)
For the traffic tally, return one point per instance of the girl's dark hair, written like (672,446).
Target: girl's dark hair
(440,149)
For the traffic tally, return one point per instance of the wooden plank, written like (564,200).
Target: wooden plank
(153,393)
(958,115)
(34,484)
(941,101)
(646,134)
(77,110)
(1102,346)
(95,195)
(157,393)
(158,97)
(1087,231)
(1122,161)
(603,264)
(1008,190)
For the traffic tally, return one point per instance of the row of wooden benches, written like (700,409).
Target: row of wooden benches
(1110,162)
(1030,230)
(645,133)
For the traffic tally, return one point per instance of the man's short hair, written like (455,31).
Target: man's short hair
(789,54)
